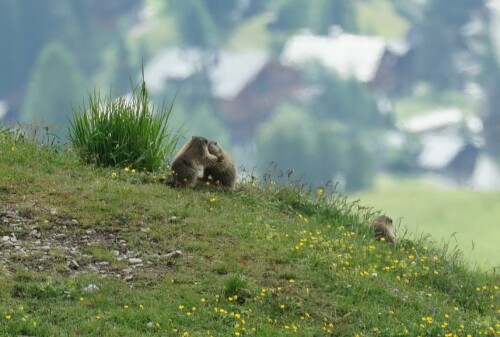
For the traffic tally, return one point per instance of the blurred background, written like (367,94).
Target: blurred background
(395,102)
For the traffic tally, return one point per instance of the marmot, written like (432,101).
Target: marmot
(185,164)
(223,170)
(382,228)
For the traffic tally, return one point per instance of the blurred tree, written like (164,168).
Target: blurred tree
(123,73)
(333,146)
(205,122)
(317,151)
(490,78)
(204,23)
(202,121)
(360,170)
(439,39)
(56,82)
(25,28)
(345,100)
(223,13)
(293,140)
(290,140)
(254,7)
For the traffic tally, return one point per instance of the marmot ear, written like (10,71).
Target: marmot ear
(215,143)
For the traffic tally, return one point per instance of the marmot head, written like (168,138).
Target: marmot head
(214,148)
(383,219)
(199,140)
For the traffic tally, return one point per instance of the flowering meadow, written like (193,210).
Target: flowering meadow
(91,251)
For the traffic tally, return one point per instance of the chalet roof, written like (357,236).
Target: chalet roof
(440,119)
(347,54)
(228,71)
(434,120)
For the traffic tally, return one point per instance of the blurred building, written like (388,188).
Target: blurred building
(452,149)
(247,86)
(383,65)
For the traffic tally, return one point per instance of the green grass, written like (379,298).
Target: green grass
(260,261)
(461,218)
(378,17)
(125,131)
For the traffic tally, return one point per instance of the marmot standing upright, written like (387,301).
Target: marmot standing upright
(223,170)
(382,228)
(185,164)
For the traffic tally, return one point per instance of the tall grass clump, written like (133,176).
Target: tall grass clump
(125,131)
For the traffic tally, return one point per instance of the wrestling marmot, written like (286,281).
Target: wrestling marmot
(382,228)
(185,164)
(223,170)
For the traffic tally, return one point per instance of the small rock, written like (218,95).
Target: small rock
(73,264)
(45,248)
(103,263)
(35,233)
(74,222)
(175,253)
(91,287)
(90,231)
(53,211)
(172,219)
(5,238)
(116,253)
(135,260)
(128,278)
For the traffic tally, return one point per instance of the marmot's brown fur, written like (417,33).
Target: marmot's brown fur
(223,171)
(185,164)
(382,228)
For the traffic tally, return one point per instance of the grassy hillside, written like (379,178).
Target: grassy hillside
(102,252)
(463,218)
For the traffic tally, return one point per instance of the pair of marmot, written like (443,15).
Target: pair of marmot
(218,165)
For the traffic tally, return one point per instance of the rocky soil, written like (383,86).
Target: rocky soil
(65,248)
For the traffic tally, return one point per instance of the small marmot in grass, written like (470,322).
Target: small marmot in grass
(383,230)
(223,170)
(185,164)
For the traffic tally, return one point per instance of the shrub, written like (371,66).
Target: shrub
(126,131)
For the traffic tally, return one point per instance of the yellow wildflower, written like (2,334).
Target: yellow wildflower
(320,192)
